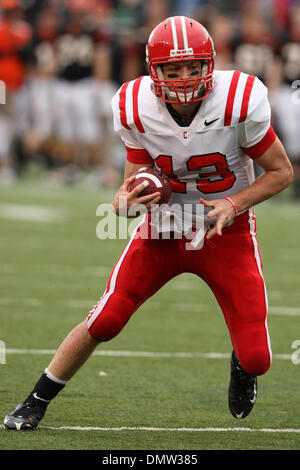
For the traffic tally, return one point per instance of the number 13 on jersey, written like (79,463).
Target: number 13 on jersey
(212,173)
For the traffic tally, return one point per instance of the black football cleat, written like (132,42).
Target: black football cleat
(242,391)
(25,417)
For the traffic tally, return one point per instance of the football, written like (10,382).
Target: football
(157,183)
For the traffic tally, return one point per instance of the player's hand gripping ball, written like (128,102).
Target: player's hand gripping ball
(157,183)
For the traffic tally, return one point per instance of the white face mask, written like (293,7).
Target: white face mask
(184,96)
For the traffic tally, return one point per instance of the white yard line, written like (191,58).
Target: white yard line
(150,354)
(157,429)
(24,212)
(144,428)
(282,310)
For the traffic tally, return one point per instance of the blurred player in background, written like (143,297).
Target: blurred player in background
(64,111)
(78,127)
(254,45)
(15,39)
(285,99)
(203,129)
(35,103)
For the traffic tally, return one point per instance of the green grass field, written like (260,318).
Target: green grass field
(54,268)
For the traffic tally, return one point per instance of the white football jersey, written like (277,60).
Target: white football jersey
(210,157)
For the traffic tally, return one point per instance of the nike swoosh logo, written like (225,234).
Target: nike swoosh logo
(38,398)
(208,123)
(253,400)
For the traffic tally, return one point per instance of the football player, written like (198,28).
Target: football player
(203,129)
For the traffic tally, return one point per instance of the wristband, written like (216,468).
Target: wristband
(233,204)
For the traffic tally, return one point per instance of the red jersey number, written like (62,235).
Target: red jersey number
(164,162)
(213,173)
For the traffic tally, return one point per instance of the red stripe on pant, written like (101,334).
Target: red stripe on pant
(229,264)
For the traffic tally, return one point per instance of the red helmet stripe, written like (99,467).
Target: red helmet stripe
(135,94)
(179,32)
(230,97)
(246,98)
(184,33)
(174,33)
(122,106)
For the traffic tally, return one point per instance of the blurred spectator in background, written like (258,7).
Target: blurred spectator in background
(254,44)
(276,12)
(187,8)
(153,13)
(32,10)
(285,98)
(128,39)
(15,37)
(222,30)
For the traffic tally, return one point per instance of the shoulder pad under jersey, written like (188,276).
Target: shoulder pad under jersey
(137,109)
(238,96)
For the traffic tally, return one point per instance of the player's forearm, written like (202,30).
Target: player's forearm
(265,186)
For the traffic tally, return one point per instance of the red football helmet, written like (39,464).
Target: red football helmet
(179,39)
